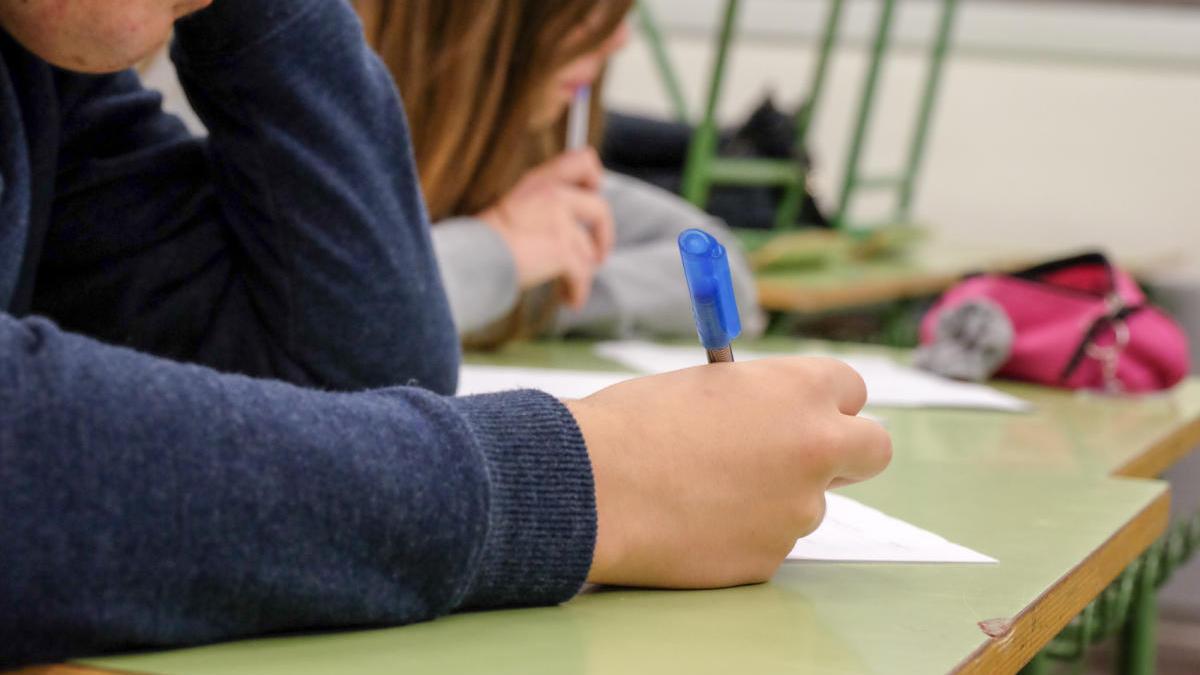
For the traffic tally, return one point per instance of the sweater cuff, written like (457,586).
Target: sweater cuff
(542,501)
(222,32)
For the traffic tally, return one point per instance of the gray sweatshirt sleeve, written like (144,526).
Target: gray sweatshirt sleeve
(478,272)
(640,290)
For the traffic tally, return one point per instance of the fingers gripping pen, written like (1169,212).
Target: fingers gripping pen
(706,268)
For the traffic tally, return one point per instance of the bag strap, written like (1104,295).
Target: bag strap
(1036,272)
(1116,319)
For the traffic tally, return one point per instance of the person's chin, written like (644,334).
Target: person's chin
(92,66)
(123,61)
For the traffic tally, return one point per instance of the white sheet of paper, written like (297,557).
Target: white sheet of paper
(474,379)
(854,532)
(889,384)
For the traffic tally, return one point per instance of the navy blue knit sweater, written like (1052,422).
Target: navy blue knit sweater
(274,486)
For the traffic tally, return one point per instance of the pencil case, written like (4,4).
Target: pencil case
(1080,323)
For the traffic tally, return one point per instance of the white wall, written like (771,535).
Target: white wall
(1064,124)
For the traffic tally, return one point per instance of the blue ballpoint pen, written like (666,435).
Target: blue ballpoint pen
(706,268)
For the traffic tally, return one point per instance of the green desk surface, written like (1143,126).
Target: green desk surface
(1059,537)
(1087,434)
(1069,431)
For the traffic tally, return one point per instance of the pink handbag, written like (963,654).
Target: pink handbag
(1079,323)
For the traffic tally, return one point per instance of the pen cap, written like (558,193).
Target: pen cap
(706,268)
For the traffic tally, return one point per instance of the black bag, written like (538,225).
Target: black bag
(655,150)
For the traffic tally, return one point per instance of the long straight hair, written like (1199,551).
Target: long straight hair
(472,74)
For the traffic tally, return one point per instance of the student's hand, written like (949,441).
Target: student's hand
(705,477)
(556,224)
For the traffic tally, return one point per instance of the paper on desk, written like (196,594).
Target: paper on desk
(854,532)
(889,384)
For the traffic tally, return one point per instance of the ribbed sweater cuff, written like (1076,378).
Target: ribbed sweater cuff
(542,503)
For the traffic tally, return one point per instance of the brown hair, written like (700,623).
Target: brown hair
(471,74)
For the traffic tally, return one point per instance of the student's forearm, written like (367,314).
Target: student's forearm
(313,174)
(148,503)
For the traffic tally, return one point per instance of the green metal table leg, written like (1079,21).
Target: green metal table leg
(916,151)
(703,149)
(1138,641)
(670,80)
(793,196)
(1127,607)
(865,104)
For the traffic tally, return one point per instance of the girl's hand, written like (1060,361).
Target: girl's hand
(556,224)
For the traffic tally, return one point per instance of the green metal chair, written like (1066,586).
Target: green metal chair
(705,168)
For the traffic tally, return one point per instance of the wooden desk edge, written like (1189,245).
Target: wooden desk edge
(780,296)
(1164,453)
(783,297)
(1033,628)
